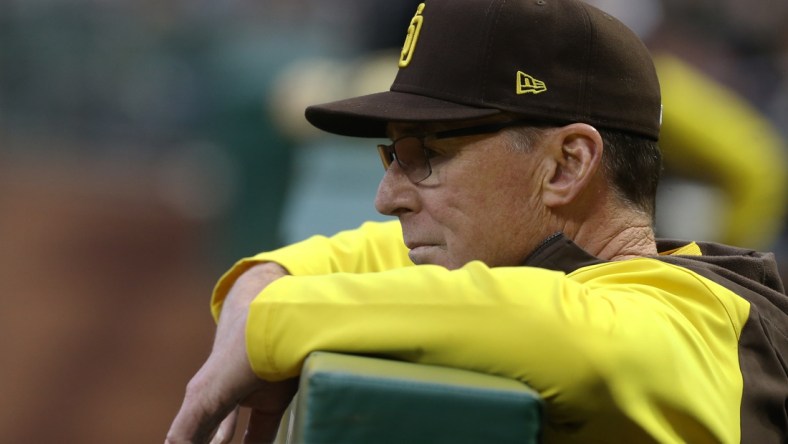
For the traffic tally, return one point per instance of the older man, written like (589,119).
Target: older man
(523,170)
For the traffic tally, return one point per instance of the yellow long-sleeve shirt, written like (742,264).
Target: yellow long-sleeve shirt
(633,351)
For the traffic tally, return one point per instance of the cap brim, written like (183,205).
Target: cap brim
(367,116)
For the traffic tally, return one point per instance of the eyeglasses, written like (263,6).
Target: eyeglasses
(414,157)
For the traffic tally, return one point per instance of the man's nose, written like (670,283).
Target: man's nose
(396,193)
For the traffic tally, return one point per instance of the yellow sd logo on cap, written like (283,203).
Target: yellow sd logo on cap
(413,37)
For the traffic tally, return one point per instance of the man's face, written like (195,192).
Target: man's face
(481,201)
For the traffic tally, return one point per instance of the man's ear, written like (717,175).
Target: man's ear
(575,155)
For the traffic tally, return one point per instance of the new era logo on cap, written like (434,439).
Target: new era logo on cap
(527,84)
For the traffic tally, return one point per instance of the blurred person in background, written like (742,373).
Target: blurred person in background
(724,143)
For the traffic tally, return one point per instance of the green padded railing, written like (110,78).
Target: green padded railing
(346,399)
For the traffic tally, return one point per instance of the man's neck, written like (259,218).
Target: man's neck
(632,242)
(625,235)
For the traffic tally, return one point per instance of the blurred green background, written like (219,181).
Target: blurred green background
(145,146)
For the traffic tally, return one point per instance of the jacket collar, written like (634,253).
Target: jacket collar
(559,253)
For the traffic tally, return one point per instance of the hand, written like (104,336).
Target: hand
(226,380)
(267,406)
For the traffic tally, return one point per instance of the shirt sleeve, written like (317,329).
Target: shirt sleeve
(586,342)
(373,247)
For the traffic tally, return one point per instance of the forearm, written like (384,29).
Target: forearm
(399,313)
(226,378)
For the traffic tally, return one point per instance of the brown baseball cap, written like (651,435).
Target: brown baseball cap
(556,61)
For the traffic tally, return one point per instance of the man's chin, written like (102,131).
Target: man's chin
(431,255)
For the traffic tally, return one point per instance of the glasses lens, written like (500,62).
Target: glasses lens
(410,156)
(386,155)
(409,152)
